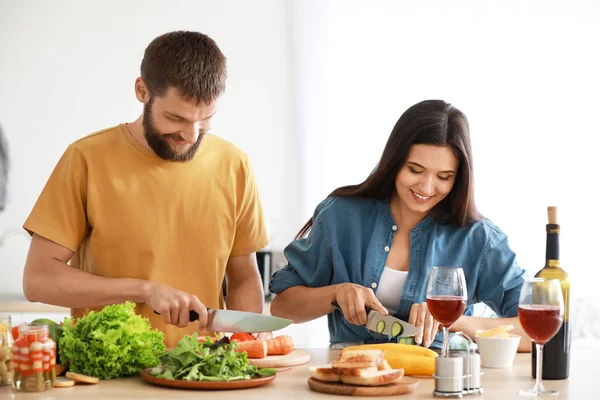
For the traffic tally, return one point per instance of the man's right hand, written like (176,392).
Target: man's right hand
(174,305)
(353,299)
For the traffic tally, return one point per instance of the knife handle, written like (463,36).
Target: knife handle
(337,305)
(193,315)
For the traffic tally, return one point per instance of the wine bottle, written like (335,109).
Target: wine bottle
(555,364)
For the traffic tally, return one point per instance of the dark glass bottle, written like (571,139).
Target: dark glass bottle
(555,364)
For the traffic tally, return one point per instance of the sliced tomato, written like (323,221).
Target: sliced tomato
(15,332)
(241,337)
(203,339)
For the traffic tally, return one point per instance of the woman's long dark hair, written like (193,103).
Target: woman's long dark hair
(433,122)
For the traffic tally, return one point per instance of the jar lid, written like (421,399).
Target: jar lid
(31,329)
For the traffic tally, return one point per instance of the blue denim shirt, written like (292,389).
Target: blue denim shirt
(350,240)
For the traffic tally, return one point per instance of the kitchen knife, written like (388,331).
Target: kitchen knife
(240,321)
(386,324)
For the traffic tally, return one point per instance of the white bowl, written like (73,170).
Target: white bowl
(497,352)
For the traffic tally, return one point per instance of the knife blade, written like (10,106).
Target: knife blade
(240,321)
(386,324)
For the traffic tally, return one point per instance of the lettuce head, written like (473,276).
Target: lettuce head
(111,343)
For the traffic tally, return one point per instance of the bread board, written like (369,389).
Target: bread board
(296,357)
(406,385)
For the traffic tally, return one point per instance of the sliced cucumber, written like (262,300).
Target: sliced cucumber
(380,326)
(407,340)
(396,329)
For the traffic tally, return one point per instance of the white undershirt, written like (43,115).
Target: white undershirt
(390,287)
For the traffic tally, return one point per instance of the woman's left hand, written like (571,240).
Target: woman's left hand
(423,320)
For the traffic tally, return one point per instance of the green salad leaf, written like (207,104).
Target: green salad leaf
(111,343)
(191,360)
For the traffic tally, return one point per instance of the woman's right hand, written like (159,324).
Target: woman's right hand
(353,299)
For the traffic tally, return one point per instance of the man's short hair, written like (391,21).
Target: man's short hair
(189,61)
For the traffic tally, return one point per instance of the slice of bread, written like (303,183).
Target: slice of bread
(359,359)
(61,381)
(374,378)
(384,365)
(82,378)
(356,371)
(325,373)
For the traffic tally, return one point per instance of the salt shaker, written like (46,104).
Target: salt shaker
(449,379)
(458,375)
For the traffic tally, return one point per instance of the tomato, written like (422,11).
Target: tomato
(15,332)
(241,337)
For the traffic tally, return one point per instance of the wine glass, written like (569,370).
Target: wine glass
(541,311)
(446,298)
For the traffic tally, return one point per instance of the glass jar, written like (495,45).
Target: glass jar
(34,356)
(6,344)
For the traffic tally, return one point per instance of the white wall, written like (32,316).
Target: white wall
(526,74)
(67,69)
(315,87)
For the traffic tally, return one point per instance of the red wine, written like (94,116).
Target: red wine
(446,309)
(556,351)
(541,322)
(559,348)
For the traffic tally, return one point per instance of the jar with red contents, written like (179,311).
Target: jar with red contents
(34,359)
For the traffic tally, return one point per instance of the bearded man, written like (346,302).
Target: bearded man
(157,211)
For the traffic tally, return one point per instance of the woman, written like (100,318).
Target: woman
(374,244)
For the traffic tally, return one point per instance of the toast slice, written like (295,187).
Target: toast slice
(356,371)
(325,373)
(356,359)
(384,365)
(61,382)
(374,378)
(82,378)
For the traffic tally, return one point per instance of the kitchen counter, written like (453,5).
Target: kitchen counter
(17,303)
(497,383)
(20,306)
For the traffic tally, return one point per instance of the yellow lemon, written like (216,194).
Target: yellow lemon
(501,330)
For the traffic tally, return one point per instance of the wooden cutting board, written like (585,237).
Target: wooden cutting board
(296,357)
(406,385)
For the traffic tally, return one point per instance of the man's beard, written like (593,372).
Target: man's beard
(159,142)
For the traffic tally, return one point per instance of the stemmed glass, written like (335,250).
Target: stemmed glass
(541,309)
(446,298)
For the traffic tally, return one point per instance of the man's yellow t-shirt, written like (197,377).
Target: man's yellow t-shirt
(125,212)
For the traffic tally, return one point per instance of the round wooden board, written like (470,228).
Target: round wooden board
(406,385)
(211,385)
(296,357)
